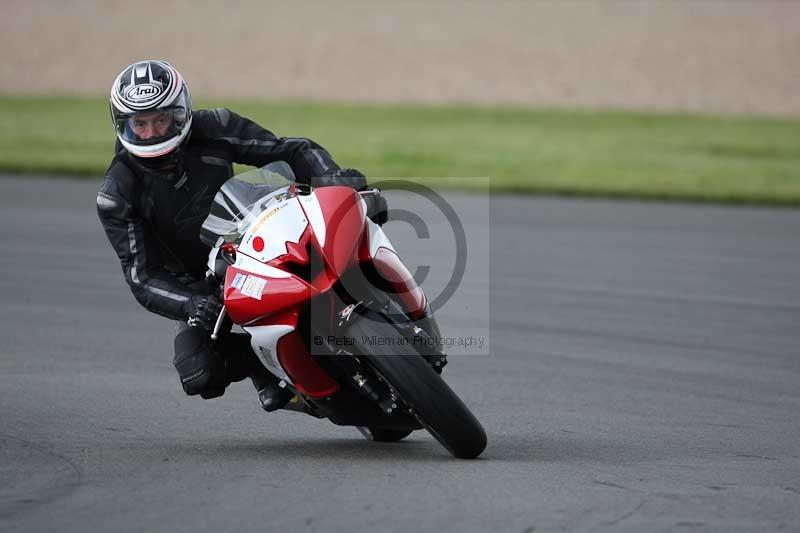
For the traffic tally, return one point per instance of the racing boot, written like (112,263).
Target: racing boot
(272,392)
(241,362)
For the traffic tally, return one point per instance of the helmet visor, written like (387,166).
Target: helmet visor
(154,126)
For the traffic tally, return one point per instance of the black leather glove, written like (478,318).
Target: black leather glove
(204,311)
(350,177)
(377,208)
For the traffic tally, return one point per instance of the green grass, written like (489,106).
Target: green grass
(606,153)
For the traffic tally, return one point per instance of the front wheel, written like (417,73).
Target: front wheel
(424,391)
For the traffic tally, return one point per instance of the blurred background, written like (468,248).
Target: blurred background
(642,369)
(689,100)
(699,56)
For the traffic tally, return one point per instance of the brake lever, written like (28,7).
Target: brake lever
(218,325)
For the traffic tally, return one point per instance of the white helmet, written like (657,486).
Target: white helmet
(151,108)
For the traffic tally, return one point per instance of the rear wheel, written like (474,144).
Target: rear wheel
(424,391)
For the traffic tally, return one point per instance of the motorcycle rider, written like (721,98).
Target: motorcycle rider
(169,163)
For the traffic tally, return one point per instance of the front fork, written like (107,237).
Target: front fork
(423,332)
(427,327)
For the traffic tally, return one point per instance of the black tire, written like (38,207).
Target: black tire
(435,404)
(389,435)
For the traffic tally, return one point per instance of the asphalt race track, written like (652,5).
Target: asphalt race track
(644,375)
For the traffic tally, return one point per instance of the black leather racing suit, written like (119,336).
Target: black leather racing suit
(153,220)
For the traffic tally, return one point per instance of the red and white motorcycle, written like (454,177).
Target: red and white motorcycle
(331,309)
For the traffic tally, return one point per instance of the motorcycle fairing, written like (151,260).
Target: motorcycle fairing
(278,294)
(313,213)
(377,249)
(286,219)
(283,352)
(344,215)
(264,340)
(322,235)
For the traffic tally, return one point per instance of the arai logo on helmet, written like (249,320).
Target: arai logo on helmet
(143,92)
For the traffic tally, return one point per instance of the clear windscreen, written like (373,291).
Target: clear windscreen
(240,201)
